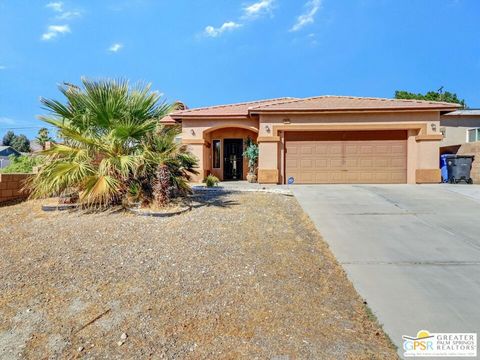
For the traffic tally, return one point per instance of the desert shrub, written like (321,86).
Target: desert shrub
(21,164)
(211,180)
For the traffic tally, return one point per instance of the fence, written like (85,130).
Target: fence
(11,186)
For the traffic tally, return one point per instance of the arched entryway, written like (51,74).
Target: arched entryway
(224,152)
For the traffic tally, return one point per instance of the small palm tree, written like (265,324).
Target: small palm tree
(251,153)
(43,137)
(111,140)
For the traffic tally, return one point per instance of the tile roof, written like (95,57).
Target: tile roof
(343,103)
(167,120)
(240,109)
(319,103)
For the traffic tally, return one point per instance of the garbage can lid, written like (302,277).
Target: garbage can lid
(465,156)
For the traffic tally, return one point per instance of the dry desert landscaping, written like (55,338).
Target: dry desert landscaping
(241,276)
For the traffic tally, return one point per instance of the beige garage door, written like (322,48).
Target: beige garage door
(356,157)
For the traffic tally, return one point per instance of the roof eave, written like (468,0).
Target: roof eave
(333,111)
(213,117)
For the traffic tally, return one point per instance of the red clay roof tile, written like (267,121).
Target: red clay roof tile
(240,109)
(319,103)
(341,103)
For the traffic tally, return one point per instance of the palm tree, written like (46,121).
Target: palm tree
(111,142)
(43,137)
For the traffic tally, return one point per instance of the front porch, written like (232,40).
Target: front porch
(220,151)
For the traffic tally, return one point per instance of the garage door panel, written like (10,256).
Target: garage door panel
(306,163)
(307,149)
(328,177)
(398,149)
(335,163)
(293,149)
(347,161)
(321,163)
(398,163)
(335,149)
(292,164)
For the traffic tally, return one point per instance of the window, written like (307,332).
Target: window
(216,154)
(473,135)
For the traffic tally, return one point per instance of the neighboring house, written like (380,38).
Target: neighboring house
(35,146)
(461,130)
(325,139)
(5,152)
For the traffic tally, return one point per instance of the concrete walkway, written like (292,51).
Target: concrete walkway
(413,252)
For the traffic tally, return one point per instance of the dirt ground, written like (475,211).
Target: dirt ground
(243,276)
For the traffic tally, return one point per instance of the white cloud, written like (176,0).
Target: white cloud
(250,13)
(62,15)
(55,6)
(215,32)
(2,67)
(54,30)
(6,121)
(259,8)
(115,47)
(68,15)
(309,16)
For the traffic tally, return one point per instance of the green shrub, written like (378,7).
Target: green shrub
(110,137)
(211,181)
(21,164)
(251,153)
(134,192)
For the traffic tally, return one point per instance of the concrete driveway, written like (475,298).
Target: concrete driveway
(412,252)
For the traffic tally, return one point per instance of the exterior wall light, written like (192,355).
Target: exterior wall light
(286,121)
(267,128)
(192,132)
(434,127)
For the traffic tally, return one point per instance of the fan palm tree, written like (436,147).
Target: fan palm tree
(43,137)
(111,141)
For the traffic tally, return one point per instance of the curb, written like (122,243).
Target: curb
(139,212)
(63,207)
(204,189)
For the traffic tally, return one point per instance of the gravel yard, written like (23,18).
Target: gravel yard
(243,276)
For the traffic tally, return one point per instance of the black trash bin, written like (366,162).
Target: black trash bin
(459,167)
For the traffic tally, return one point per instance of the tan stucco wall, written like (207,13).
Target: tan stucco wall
(199,126)
(422,153)
(198,134)
(456,128)
(221,134)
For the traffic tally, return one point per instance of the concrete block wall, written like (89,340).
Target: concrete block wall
(472,149)
(11,186)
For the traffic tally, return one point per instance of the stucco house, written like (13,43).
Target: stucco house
(324,139)
(5,153)
(461,130)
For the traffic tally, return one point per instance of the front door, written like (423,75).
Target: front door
(233,159)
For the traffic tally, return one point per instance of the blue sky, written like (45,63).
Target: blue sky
(207,52)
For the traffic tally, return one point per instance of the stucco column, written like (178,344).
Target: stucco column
(412,157)
(428,168)
(268,160)
(198,149)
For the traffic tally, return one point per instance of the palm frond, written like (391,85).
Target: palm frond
(111,139)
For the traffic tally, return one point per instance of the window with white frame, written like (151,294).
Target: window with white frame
(473,135)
